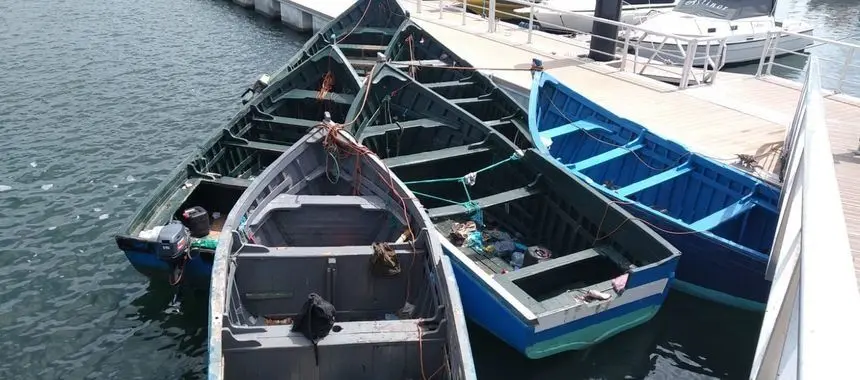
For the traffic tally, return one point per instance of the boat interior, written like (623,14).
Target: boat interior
(316,226)
(462,171)
(448,75)
(362,32)
(218,173)
(629,162)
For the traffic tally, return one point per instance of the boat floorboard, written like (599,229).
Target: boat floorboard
(746,115)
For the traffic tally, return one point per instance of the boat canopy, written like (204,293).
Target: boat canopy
(726,9)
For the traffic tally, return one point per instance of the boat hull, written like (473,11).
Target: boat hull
(549,335)
(566,22)
(198,269)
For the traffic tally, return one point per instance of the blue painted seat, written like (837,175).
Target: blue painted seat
(655,180)
(586,125)
(729,212)
(606,156)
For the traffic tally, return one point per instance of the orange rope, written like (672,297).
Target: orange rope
(326,86)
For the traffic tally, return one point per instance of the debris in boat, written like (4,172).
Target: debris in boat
(620,283)
(5,188)
(609,185)
(537,254)
(48,186)
(391,317)
(460,232)
(597,295)
(150,234)
(33,164)
(470,178)
(216,215)
(383,261)
(272,321)
(206,242)
(186,185)
(404,236)
(406,311)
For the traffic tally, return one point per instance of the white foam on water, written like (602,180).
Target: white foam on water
(130,178)
(48,186)
(96,209)
(5,188)
(104,216)
(33,164)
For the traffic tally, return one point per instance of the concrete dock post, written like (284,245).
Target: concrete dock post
(604,35)
(269,8)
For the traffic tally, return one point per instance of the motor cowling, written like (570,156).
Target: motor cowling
(174,243)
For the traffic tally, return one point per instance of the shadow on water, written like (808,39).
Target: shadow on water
(688,339)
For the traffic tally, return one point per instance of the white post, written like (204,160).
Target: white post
(692,47)
(441,6)
(418,6)
(773,51)
(464,12)
(627,33)
(491,17)
(768,44)
(845,67)
(531,21)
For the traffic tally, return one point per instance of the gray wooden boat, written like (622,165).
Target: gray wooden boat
(328,218)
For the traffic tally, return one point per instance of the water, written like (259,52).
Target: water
(99,100)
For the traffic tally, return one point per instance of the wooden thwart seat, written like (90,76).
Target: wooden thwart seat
(492,200)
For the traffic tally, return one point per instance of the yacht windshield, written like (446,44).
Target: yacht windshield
(726,9)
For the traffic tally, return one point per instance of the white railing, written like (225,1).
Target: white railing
(688,60)
(810,326)
(836,74)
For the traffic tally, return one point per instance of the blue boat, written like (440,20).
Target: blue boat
(543,261)
(722,219)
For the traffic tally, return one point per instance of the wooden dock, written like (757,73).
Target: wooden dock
(738,114)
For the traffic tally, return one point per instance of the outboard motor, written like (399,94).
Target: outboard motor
(174,248)
(255,88)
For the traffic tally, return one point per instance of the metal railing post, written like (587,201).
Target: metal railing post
(418,6)
(623,64)
(441,7)
(464,12)
(768,44)
(491,17)
(773,51)
(531,22)
(844,71)
(692,47)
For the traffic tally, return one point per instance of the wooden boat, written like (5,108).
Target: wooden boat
(362,31)
(330,269)
(216,175)
(492,200)
(722,219)
(445,73)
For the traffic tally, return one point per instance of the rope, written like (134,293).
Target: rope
(467,180)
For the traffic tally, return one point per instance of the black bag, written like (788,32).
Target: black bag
(316,320)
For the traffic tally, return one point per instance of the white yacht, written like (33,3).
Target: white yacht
(744,23)
(567,14)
